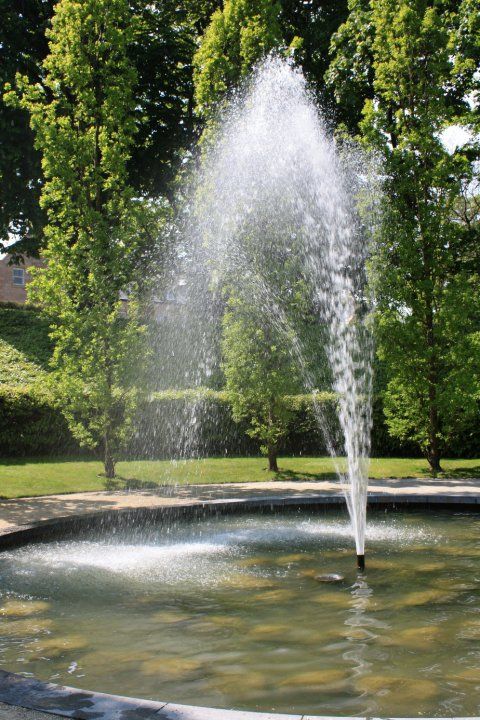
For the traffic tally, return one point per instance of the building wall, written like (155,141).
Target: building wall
(9,291)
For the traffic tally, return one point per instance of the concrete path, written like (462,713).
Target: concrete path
(8,712)
(25,511)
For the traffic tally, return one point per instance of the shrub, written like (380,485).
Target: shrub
(30,424)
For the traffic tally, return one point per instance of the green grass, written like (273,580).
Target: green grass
(30,477)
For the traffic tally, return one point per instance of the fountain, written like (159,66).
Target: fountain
(215,602)
(223,612)
(274,189)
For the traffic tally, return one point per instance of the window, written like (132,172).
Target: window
(19,276)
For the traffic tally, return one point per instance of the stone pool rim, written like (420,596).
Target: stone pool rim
(63,701)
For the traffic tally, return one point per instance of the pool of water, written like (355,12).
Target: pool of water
(227,612)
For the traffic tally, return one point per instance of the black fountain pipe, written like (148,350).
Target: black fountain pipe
(361,563)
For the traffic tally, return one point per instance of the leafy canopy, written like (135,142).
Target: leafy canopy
(97,232)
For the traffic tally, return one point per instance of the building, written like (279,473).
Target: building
(14,279)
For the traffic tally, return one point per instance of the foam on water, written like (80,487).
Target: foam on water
(206,555)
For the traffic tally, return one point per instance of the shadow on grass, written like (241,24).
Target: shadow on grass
(472,472)
(451,473)
(292,476)
(123,483)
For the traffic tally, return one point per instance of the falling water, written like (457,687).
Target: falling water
(274,190)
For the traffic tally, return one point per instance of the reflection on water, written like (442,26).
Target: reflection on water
(227,612)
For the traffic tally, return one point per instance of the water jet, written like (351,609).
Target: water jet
(276,190)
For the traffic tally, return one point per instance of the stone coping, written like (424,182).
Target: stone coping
(57,700)
(21,511)
(68,702)
(73,524)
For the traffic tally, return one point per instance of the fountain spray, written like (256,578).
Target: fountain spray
(275,185)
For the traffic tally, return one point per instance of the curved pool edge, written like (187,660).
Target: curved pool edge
(36,531)
(69,702)
(64,701)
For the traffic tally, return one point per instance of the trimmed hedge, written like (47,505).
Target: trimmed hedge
(25,346)
(199,423)
(176,423)
(30,425)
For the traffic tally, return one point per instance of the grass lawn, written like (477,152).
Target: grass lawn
(29,477)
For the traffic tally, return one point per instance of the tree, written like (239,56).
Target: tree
(22,48)
(236,38)
(350,73)
(259,372)
(428,321)
(97,233)
(161,49)
(308,27)
(162,53)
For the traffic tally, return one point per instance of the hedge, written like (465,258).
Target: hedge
(30,425)
(186,423)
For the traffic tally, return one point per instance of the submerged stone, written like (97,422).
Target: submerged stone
(231,680)
(24,628)
(469,675)
(170,668)
(294,558)
(275,596)
(267,631)
(329,578)
(470,631)
(55,646)
(101,659)
(323,679)
(170,617)
(414,638)
(227,621)
(430,566)
(424,597)
(381,564)
(308,572)
(23,608)
(247,582)
(400,690)
(337,599)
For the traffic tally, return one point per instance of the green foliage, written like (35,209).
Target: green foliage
(259,372)
(164,44)
(427,297)
(97,237)
(31,424)
(25,346)
(350,73)
(22,47)
(307,28)
(237,37)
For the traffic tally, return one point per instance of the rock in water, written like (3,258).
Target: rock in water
(329,578)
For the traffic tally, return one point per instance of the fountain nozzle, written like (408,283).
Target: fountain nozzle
(361,563)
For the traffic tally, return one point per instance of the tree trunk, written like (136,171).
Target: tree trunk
(272,458)
(433,453)
(433,449)
(108,460)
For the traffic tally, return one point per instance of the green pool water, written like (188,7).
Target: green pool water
(227,612)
